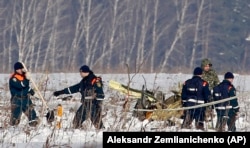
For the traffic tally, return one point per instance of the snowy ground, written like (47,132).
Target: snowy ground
(114,118)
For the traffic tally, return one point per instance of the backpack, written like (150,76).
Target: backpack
(98,81)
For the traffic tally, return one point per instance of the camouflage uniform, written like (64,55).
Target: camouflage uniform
(210,76)
(213,80)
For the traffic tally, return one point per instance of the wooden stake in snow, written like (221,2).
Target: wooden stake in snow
(59,116)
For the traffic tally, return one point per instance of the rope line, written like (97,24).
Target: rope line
(193,107)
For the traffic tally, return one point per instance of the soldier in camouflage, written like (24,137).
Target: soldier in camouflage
(209,74)
(212,78)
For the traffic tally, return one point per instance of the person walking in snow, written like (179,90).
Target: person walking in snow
(227,112)
(20,96)
(195,91)
(91,89)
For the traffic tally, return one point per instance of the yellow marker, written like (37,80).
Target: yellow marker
(59,116)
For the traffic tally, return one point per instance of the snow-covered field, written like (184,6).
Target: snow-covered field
(114,118)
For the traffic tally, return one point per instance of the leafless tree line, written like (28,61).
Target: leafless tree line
(157,35)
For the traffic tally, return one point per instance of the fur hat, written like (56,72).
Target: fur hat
(18,65)
(84,68)
(228,75)
(197,71)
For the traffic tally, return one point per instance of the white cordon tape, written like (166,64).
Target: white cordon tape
(193,107)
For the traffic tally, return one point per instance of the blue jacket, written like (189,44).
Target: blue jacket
(195,91)
(225,90)
(19,85)
(88,87)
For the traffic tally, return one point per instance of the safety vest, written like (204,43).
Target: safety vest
(17,76)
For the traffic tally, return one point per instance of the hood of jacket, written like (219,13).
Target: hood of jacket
(205,62)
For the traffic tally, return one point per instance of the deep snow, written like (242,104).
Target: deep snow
(115,119)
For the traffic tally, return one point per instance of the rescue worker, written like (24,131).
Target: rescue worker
(227,112)
(92,95)
(195,91)
(20,96)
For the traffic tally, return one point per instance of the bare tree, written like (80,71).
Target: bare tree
(158,35)
(197,29)
(154,35)
(113,31)
(206,27)
(182,27)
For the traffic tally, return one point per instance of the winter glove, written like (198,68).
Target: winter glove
(57,93)
(24,70)
(32,92)
(50,116)
(27,75)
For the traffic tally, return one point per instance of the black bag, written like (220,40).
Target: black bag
(50,116)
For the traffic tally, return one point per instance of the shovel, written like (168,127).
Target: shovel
(50,116)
